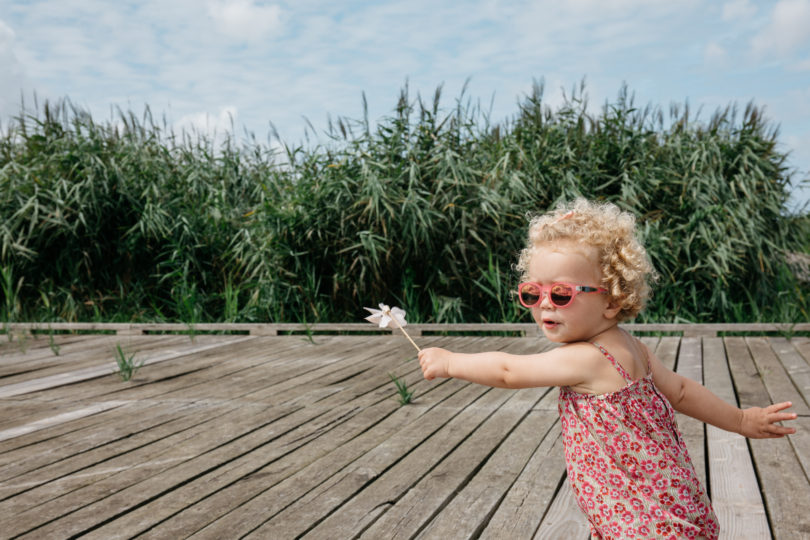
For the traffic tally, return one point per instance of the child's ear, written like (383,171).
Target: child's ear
(612,310)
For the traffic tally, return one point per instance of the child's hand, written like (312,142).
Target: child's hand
(758,423)
(435,362)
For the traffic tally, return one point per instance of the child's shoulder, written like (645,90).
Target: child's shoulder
(583,352)
(594,373)
(626,352)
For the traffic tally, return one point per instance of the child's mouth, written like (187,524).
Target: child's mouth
(547,323)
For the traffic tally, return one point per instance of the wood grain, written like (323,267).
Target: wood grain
(734,488)
(279,436)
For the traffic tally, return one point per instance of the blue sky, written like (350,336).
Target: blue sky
(202,63)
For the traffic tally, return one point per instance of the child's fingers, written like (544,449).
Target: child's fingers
(426,372)
(780,431)
(779,417)
(779,406)
(773,416)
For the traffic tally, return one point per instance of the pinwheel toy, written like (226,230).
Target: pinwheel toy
(384,316)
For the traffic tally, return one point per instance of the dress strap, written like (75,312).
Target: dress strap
(613,361)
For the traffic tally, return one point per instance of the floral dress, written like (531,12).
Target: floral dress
(628,465)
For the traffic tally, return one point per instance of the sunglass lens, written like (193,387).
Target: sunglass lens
(529,295)
(561,295)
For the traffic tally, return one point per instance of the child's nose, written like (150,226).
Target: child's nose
(545,300)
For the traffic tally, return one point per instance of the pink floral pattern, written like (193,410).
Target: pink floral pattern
(628,465)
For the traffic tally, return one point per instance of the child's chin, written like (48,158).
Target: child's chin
(554,335)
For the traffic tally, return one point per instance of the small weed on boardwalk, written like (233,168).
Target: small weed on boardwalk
(405,395)
(309,333)
(52,344)
(127,366)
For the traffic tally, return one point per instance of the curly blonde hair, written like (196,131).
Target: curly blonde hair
(626,268)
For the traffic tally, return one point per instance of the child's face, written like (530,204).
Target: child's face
(588,314)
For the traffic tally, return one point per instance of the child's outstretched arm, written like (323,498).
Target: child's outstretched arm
(564,366)
(697,401)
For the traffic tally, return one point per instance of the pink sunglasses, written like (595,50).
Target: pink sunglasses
(559,294)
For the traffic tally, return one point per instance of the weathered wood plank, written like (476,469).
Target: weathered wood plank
(298,365)
(260,466)
(408,515)
(800,441)
(364,508)
(48,404)
(802,345)
(196,504)
(690,365)
(71,502)
(468,513)
(95,350)
(122,425)
(774,375)
(36,344)
(14,361)
(564,512)
(667,351)
(86,354)
(43,423)
(785,487)
(372,481)
(275,435)
(105,388)
(141,400)
(93,372)
(734,488)
(520,513)
(174,378)
(564,519)
(170,466)
(795,357)
(796,367)
(329,479)
(783,482)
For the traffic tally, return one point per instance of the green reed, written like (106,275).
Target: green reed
(127,365)
(128,221)
(404,394)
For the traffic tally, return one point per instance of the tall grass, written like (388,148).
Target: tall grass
(126,220)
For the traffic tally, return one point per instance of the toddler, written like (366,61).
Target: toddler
(584,271)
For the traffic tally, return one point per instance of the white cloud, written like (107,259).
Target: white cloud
(799,146)
(215,126)
(6,36)
(786,31)
(801,65)
(714,54)
(615,7)
(738,9)
(281,60)
(798,103)
(13,83)
(245,20)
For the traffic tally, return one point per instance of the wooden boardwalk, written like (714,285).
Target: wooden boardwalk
(234,436)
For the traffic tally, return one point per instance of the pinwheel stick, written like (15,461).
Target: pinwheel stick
(406,334)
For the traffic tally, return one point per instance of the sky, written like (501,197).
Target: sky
(212,64)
